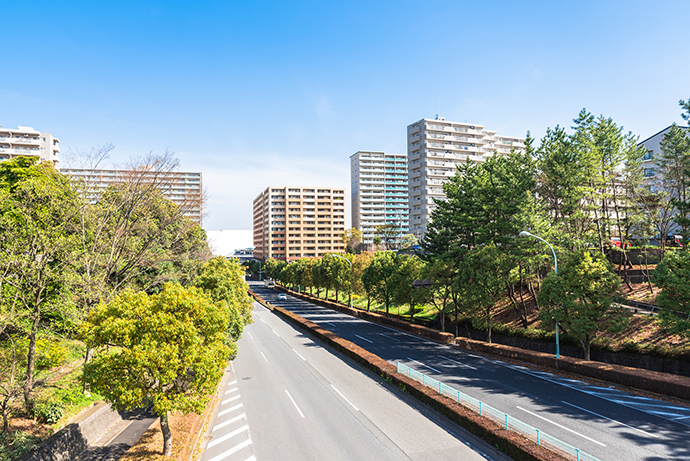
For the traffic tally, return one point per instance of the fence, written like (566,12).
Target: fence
(497,416)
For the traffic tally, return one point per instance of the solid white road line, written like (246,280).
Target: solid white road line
(229,410)
(605,417)
(262,355)
(344,398)
(232,451)
(227,436)
(426,366)
(562,427)
(228,422)
(459,363)
(365,339)
(294,403)
(231,399)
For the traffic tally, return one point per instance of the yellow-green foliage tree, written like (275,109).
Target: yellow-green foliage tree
(223,280)
(167,350)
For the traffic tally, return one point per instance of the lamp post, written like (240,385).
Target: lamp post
(555,269)
(351,274)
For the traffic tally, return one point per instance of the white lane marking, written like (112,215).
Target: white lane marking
(294,403)
(298,355)
(426,366)
(365,339)
(262,355)
(390,337)
(562,427)
(231,399)
(680,417)
(250,335)
(227,436)
(251,458)
(229,410)
(606,417)
(262,320)
(228,422)
(232,382)
(328,323)
(232,451)
(459,363)
(344,398)
(234,389)
(275,332)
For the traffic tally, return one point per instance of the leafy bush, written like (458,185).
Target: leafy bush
(49,412)
(15,444)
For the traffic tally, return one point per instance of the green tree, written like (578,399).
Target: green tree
(376,278)
(167,350)
(409,269)
(442,275)
(223,281)
(38,226)
(672,276)
(352,238)
(581,299)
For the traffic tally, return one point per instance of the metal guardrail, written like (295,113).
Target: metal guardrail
(499,417)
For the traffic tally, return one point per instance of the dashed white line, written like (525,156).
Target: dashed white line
(227,436)
(229,410)
(275,332)
(250,335)
(228,422)
(232,451)
(344,398)
(459,363)
(298,355)
(613,420)
(424,365)
(231,399)
(390,337)
(262,355)
(365,339)
(562,427)
(295,404)
(234,389)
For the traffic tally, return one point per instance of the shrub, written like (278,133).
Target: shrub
(14,444)
(49,412)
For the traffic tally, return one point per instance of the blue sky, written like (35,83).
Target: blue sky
(257,94)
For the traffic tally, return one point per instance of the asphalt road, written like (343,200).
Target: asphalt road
(606,423)
(289,397)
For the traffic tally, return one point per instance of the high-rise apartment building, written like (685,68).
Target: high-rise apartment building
(434,149)
(182,188)
(298,222)
(27,142)
(379,193)
(653,146)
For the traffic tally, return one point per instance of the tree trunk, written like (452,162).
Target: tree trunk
(31,361)
(167,435)
(368,303)
(585,349)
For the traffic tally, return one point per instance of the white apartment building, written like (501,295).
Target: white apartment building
(379,192)
(27,142)
(653,146)
(298,222)
(182,188)
(434,149)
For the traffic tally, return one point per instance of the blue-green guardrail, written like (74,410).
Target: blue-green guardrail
(499,417)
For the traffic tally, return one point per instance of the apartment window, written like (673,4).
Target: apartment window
(649,154)
(648,172)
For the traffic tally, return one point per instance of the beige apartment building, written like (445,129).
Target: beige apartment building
(298,222)
(27,142)
(434,149)
(182,188)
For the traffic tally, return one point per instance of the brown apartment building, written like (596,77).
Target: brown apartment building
(298,222)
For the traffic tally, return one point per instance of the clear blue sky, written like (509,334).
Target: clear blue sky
(237,88)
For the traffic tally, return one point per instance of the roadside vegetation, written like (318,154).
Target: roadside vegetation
(585,192)
(75,266)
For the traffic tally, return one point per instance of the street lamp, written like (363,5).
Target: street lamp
(351,274)
(555,269)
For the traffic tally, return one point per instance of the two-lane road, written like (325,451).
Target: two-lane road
(607,423)
(291,398)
